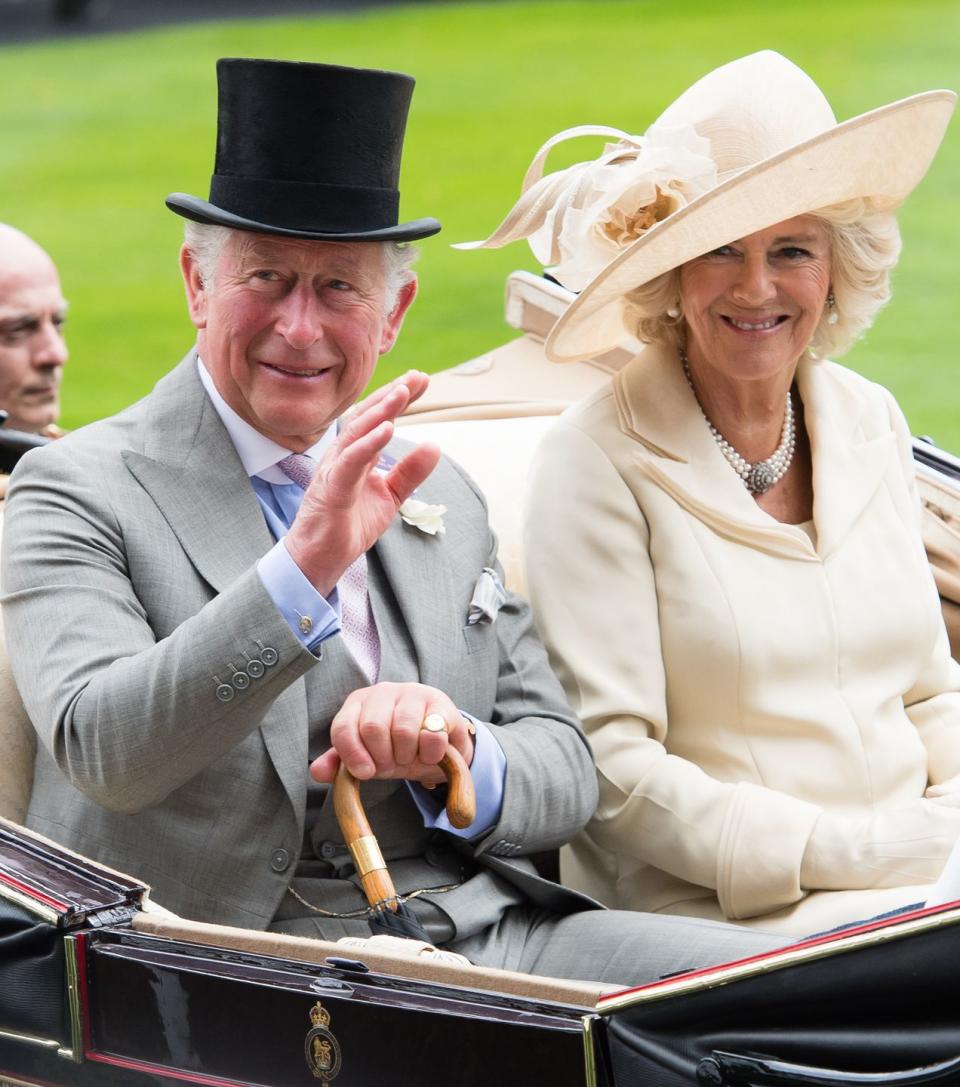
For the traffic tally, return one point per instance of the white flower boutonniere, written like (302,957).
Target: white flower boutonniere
(423,516)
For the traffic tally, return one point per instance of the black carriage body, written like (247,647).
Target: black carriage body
(878,1005)
(89,1002)
(86,1000)
(163,1008)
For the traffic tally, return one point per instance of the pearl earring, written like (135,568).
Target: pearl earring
(673,312)
(831,305)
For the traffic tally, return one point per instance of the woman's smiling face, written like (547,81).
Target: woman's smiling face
(752,307)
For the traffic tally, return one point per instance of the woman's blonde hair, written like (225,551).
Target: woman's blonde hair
(864,246)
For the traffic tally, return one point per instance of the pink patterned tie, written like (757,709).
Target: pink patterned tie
(357,623)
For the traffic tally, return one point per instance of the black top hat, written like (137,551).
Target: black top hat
(308,150)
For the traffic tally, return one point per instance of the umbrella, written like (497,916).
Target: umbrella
(390,916)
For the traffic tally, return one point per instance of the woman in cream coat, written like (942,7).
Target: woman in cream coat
(723,546)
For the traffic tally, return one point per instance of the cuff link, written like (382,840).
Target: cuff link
(305,624)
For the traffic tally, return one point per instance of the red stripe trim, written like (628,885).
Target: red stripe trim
(167,1073)
(32,892)
(819,941)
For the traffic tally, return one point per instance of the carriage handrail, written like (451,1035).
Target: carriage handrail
(739,1070)
(14,443)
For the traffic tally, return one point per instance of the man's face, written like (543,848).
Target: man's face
(290,330)
(32,350)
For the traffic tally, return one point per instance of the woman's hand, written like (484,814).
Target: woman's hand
(892,847)
(378,733)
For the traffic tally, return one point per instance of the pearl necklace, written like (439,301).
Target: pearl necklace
(758,478)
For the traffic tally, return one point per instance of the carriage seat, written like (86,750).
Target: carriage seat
(489,413)
(18,741)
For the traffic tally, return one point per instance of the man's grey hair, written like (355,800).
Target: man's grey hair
(206,242)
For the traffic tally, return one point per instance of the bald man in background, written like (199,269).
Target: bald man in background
(32,348)
(32,354)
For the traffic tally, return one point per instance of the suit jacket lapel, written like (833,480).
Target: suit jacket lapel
(191,470)
(412,565)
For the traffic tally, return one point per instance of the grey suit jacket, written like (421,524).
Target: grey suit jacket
(130,595)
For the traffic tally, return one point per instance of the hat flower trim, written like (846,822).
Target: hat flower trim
(579,219)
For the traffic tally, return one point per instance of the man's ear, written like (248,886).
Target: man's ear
(193,283)
(394,321)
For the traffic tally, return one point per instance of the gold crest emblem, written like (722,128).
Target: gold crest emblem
(320,1048)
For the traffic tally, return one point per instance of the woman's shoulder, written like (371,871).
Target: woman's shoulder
(639,382)
(854,393)
(585,451)
(594,414)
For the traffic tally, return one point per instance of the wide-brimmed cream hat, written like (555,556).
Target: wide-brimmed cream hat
(751,144)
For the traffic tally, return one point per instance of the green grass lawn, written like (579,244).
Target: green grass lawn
(95,132)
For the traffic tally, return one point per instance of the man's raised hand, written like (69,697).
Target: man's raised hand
(349,503)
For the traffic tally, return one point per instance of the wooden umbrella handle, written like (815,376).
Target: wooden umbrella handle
(355,828)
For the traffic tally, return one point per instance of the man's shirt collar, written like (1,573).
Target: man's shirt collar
(258,453)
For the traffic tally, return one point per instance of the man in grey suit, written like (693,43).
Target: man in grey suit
(240,576)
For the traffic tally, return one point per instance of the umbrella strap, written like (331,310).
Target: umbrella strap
(369,911)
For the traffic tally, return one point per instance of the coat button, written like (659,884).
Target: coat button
(224,692)
(328,850)
(240,680)
(269,656)
(279,860)
(255,668)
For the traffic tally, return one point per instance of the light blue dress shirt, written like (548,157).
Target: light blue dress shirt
(297,599)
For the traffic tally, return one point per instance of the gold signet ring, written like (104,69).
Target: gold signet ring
(433,722)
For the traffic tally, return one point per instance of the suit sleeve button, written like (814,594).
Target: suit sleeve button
(279,860)
(240,680)
(255,668)
(269,655)
(224,692)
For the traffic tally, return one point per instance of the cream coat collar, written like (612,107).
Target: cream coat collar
(656,408)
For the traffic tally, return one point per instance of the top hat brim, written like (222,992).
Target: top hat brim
(202,211)
(881,155)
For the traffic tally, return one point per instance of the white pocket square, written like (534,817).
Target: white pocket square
(488,598)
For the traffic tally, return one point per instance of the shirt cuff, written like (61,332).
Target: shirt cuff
(489,770)
(311,617)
